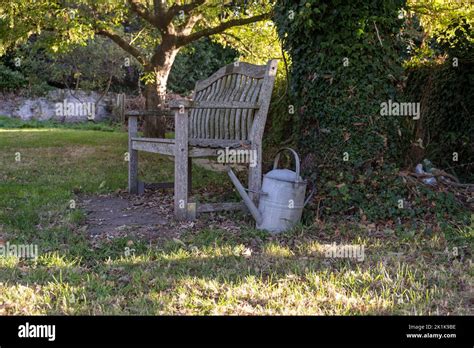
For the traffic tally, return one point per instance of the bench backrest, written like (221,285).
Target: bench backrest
(245,90)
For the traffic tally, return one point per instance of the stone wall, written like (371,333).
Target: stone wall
(60,105)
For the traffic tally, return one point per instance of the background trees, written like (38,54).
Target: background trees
(345,59)
(91,67)
(349,57)
(440,73)
(152,32)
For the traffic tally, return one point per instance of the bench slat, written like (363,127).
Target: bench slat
(225,106)
(242,68)
(156,113)
(214,143)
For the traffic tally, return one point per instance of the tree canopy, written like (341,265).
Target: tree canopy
(136,26)
(152,32)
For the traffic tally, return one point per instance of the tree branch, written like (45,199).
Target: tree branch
(123,44)
(190,23)
(175,9)
(165,18)
(140,10)
(159,6)
(162,14)
(244,47)
(184,40)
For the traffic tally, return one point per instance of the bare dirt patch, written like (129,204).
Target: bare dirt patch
(121,214)
(148,217)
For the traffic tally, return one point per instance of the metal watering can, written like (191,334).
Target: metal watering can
(282,198)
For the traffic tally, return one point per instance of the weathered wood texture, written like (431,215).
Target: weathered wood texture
(150,113)
(132,157)
(181,165)
(120,107)
(256,133)
(229,109)
(225,104)
(214,143)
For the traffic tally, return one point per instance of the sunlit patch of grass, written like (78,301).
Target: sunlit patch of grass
(9,261)
(275,250)
(56,260)
(28,130)
(210,271)
(21,300)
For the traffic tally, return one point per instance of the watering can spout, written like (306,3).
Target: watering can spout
(248,202)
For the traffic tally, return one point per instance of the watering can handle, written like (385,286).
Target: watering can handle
(297,161)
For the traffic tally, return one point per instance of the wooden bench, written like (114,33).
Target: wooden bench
(227,110)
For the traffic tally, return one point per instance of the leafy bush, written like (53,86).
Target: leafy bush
(196,62)
(445,85)
(346,61)
(382,195)
(92,67)
(11,80)
(446,125)
(280,122)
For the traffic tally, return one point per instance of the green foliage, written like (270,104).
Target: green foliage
(97,66)
(445,19)
(440,74)
(349,149)
(280,122)
(196,62)
(15,123)
(257,42)
(446,126)
(382,195)
(11,80)
(144,32)
(340,75)
(457,38)
(76,22)
(20,19)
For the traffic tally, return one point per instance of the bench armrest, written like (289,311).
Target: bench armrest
(180,103)
(190,104)
(152,113)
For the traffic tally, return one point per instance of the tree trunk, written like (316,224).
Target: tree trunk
(155,93)
(153,126)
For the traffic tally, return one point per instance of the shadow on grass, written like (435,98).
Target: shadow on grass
(216,278)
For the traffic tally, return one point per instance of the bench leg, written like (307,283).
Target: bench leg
(190,174)
(181,166)
(132,157)
(180,188)
(133,172)
(255,175)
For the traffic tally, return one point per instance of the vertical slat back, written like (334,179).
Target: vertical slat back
(249,113)
(195,113)
(246,86)
(264,98)
(240,82)
(217,112)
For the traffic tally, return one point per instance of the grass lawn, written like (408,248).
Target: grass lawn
(212,270)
